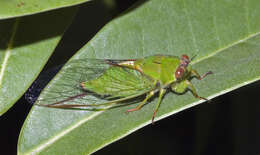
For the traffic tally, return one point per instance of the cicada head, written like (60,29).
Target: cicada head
(183,69)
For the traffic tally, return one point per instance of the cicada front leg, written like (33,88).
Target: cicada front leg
(196,74)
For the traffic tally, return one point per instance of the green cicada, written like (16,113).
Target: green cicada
(105,83)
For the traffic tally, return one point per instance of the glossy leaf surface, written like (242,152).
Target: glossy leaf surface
(25,46)
(223,34)
(17,8)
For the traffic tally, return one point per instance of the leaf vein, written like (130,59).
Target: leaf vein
(190,26)
(247,16)
(226,47)
(8,51)
(215,24)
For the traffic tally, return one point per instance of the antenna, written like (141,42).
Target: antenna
(193,57)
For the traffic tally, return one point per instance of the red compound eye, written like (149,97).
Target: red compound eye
(185,57)
(179,72)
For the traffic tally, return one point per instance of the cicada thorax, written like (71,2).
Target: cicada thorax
(158,67)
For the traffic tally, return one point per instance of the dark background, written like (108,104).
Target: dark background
(226,125)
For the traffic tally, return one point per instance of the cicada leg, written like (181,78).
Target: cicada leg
(196,74)
(193,90)
(162,92)
(141,104)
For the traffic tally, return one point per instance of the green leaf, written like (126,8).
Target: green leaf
(25,46)
(224,36)
(17,8)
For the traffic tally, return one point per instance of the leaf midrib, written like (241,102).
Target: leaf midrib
(224,48)
(8,51)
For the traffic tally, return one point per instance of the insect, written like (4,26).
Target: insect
(113,82)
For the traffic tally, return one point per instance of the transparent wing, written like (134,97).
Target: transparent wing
(66,89)
(118,82)
(42,80)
